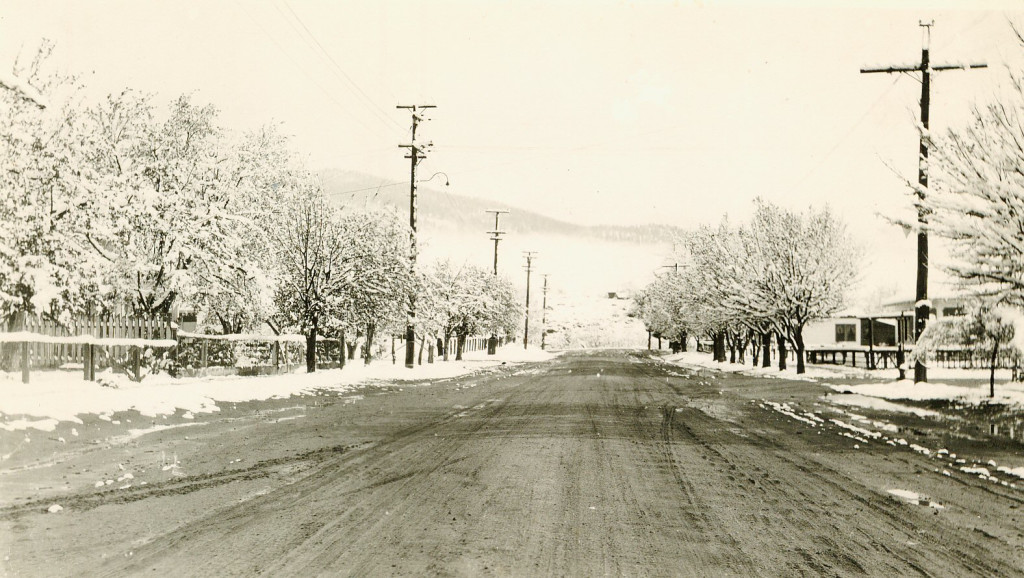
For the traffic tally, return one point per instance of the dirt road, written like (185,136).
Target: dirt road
(608,463)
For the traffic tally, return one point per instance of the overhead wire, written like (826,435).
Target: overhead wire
(847,133)
(313,42)
(305,73)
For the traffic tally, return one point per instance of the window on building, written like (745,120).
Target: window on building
(846,332)
(957,311)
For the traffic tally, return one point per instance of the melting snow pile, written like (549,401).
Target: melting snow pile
(54,396)
(1011,393)
(916,498)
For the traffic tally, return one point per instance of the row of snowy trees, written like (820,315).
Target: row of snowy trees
(121,205)
(739,285)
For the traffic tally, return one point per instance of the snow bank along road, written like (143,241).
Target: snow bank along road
(593,463)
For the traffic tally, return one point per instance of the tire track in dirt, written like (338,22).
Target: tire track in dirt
(796,481)
(366,484)
(599,464)
(285,467)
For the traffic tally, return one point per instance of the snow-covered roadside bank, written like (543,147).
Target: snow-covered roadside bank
(814,372)
(55,396)
(955,403)
(1007,392)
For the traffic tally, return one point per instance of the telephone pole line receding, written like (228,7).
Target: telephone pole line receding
(544,314)
(922,308)
(529,267)
(497,233)
(417,152)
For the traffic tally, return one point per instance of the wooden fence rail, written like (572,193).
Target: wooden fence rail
(82,341)
(119,341)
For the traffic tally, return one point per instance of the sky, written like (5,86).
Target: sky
(594,112)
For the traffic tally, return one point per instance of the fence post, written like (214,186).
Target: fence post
(93,330)
(24,349)
(205,351)
(135,328)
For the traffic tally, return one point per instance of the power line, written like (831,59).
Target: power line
(339,71)
(417,152)
(544,315)
(529,268)
(496,234)
(922,308)
(305,73)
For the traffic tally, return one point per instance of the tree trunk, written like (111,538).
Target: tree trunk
(368,345)
(447,340)
(992,370)
(311,349)
(766,349)
(460,346)
(780,340)
(683,337)
(730,340)
(341,356)
(423,343)
(798,338)
(718,343)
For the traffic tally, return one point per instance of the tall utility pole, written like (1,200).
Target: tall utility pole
(496,235)
(417,152)
(922,308)
(529,267)
(544,314)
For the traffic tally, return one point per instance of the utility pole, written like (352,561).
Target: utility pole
(922,308)
(544,314)
(496,235)
(417,152)
(529,267)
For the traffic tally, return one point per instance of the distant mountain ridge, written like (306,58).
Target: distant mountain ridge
(434,204)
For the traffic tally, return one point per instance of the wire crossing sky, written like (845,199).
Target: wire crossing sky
(592,112)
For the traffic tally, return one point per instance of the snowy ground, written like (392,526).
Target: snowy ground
(1007,392)
(883,396)
(592,320)
(55,396)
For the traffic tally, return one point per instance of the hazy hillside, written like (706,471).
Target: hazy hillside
(460,212)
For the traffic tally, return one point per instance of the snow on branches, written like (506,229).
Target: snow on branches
(978,199)
(775,273)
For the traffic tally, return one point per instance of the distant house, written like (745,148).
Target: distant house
(886,327)
(851,331)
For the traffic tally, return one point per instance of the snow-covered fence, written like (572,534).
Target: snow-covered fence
(253,353)
(32,342)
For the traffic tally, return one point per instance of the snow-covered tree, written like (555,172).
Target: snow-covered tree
(978,200)
(309,265)
(737,285)
(802,268)
(470,300)
(41,272)
(157,198)
(983,331)
(236,292)
(378,279)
